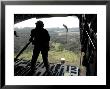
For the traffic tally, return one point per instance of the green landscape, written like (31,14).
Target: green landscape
(62,45)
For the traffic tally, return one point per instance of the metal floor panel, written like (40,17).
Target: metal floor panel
(22,68)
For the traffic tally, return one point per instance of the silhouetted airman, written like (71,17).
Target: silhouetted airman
(40,39)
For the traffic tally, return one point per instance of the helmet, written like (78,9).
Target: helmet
(39,23)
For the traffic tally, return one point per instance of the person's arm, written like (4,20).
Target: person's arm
(48,36)
(31,36)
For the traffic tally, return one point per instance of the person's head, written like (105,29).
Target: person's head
(39,24)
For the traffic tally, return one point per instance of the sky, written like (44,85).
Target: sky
(70,22)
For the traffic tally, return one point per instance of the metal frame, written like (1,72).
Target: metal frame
(2,61)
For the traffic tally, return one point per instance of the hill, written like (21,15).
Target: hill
(67,46)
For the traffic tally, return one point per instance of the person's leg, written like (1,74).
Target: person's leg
(35,55)
(45,59)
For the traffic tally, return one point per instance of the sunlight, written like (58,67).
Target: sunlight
(70,22)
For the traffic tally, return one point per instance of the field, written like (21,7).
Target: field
(62,45)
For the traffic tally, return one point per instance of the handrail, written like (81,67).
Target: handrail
(90,40)
(22,50)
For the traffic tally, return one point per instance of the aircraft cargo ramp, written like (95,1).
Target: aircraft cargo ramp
(22,68)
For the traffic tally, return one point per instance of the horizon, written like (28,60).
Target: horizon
(47,28)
